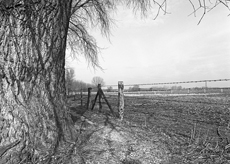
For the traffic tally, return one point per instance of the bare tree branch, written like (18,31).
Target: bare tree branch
(97,14)
(207,7)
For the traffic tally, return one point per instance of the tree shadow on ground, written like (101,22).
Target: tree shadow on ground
(105,139)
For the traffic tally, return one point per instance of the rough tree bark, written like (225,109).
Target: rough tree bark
(34,119)
(33,113)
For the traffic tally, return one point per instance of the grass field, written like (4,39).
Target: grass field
(165,129)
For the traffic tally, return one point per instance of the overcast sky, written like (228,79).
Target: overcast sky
(171,48)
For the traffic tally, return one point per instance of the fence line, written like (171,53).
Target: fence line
(90,104)
(195,90)
(86,95)
(179,82)
(171,90)
(99,96)
(114,97)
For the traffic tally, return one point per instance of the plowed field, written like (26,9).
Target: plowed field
(193,128)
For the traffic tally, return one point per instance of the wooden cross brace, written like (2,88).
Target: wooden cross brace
(100,94)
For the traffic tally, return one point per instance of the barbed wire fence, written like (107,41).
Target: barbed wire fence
(178,82)
(114,98)
(93,98)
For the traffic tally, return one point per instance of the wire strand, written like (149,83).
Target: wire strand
(178,82)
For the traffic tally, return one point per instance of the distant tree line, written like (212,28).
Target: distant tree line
(77,85)
(80,85)
(155,88)
(138,88)
(135,88)
(74,85)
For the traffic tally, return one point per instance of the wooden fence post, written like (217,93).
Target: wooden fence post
(94,102)
(121,103)
(75,96)
(81,98)
(99,96)
(205,90)
(89,98)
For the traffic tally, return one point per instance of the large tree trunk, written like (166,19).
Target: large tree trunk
(34,119)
